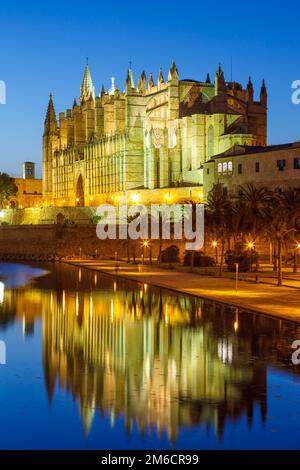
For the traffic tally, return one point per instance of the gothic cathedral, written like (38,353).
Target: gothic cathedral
(147,141)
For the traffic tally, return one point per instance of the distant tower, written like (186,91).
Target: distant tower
(28,171)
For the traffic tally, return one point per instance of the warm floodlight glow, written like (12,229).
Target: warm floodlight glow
(214,244)
(250,245)
(145,243)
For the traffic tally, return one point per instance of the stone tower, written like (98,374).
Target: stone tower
(50,144)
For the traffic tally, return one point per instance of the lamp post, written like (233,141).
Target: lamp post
(236,275)
(297,250)
(215,245)
(250,247)
(145,246)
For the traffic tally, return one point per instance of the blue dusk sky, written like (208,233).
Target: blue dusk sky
(44,45)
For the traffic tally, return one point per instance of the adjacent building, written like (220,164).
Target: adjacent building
(275,166)
(30,189)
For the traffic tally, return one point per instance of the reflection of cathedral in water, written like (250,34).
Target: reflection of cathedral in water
(136,354)
(160,360)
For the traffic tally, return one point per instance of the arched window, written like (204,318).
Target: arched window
(229,167)
(210,141)
(220,168)
(225,168)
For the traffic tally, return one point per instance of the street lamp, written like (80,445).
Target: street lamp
(215,245)
(145,246)
(250,247)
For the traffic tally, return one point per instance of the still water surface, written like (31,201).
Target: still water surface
(94,362)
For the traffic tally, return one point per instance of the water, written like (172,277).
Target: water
(94,362)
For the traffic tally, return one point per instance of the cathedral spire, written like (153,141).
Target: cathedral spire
(208,80)
(142,83)
(160,77)
(220,85)
(50,120)
(87,88)
(250,90)
(151,82)
(173,72)
(263,93)
(129,80)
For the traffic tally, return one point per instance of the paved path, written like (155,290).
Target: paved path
(282,302)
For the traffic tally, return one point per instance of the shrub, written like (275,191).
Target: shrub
(95,219)
(170,254)
(200,260)
(243,258)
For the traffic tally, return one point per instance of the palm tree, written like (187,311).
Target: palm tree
(255,204)
(218,217)
(290,204)
(128,242)
(280,226)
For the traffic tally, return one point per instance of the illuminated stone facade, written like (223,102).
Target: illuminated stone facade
(151,137)
(274,166)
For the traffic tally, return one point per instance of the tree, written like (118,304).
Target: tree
(290,204)
(8,188)
(219,216)
(280,226)
(255,206)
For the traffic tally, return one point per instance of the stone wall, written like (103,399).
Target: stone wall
(47,215)
(42,242)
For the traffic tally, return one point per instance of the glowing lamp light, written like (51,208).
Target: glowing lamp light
(214,244)
(250,245)
(145,243)
(135,197)
(64,201)
(298,246)
(236,326)
(77,199)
